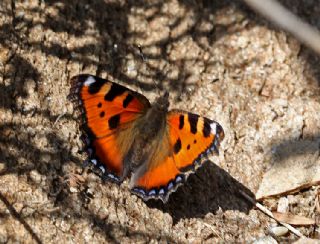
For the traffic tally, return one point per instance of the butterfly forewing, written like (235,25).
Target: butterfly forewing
(193,137)
(110,111)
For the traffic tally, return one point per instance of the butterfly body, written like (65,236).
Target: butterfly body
(154,120)
(126,136)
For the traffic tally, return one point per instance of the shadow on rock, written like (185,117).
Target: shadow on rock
(205,192)
(18,217)
(295,148)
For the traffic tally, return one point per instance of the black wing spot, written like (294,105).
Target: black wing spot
(114,121)
(127,100)
(206,127)
(102,114)
(188,147)
(193,121)
(115,90)
(195,141)
(99,105)
(177,146)
(181,121)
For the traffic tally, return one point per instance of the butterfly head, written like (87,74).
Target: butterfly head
(162,103)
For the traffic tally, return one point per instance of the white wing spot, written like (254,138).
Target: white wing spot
(89,81)
(213,127)
(94,161)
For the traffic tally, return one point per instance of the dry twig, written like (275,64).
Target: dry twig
(269,213)
(279,15)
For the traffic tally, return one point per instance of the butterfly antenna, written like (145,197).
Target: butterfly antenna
(145,60)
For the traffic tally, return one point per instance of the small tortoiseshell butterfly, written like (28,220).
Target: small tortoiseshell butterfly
(126,135)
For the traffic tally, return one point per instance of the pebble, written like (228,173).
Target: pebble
(278,230)
(73,189)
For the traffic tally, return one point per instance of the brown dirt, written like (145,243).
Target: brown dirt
(217,59)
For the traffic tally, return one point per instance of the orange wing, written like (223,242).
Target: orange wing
(189,139)
(109,113)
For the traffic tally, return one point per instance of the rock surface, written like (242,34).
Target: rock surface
(216,58)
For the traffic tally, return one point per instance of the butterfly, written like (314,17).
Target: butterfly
(127,136)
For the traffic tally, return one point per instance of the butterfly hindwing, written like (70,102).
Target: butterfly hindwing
(109,112)
(159,175)
(188,139)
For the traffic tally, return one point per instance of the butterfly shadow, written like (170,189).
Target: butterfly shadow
(209,189)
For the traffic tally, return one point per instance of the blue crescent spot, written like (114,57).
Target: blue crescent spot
(102,169)
(178,179)
(170,186)
(111,176)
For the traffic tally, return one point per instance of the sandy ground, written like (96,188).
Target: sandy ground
(217,58)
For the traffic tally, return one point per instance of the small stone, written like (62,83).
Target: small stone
(278,230)
(73,189)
